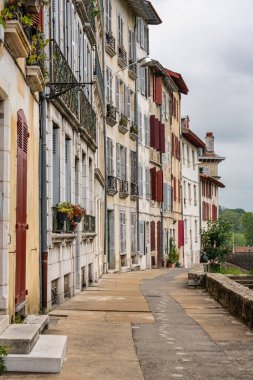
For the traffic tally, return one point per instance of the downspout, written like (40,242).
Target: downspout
(105,266)
(181,176)
(162,203)
(43,203)
(137,147)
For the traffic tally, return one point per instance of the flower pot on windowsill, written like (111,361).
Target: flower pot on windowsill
(77,219)
(61,217)
(171,265)
(35,77)
(16,39)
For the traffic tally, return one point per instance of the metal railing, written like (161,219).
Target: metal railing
(124,187)
(98,73)
(87,116)
(110,40)
(89,224)
(112,184)
(122,55)
(111,114)
(134,190)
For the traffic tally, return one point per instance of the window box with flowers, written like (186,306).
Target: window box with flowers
(16,21)
(123,124)
(36,70)
(66,216)
(133,131)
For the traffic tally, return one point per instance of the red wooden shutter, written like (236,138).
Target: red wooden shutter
(172,145)
(153,184)
(162,138)
(21,208)
(180,233)
(157,134)
(152,131)
(179,191)
(159,244)
(152,236)
(158,90)
(159,178)
(175,189)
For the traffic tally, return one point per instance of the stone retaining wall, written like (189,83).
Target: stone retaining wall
(236,298)
(242,260)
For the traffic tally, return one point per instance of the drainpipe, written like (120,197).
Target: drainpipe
(181,169)
(105,160)
(162,203)
(137,146)
(43,203)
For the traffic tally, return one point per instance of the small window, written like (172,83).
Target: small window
(54,292)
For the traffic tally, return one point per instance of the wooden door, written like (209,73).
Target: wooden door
(21,217)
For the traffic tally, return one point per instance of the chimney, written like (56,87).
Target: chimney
(209,142)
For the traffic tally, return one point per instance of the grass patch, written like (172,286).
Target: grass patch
(224,270)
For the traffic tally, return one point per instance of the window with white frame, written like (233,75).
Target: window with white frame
(108,16)
(108,85)
(121,153)
(133,232)
(56,165)
(147,130)
(67,169)
(122,232)
(109,153)
(140,127)
(147,179)
(120,31)
(140,180)
(189,194)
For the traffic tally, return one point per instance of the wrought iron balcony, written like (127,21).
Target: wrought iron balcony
(123,189)
(111,117)
(110,44)
(87,116)
(99,75)
(122,57)
(133,131)
(123,124)
(112,185)
(89,224)
(134,191)
(132,70)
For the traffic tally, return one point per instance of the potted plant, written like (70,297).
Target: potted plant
(173,255)
(64,211)
(14,17)
(78,213)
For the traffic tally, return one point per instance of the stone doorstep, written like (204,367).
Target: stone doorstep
(125,269)
(46,356)
(4,323)
(42,320)
(20,338)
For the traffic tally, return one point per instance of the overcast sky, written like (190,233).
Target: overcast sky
(210,42)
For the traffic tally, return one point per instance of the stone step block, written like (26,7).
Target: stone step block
(47,356)
(20,338)
(41,320)
(4,323)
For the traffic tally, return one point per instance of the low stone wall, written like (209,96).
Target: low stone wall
(242,260)
(236,298)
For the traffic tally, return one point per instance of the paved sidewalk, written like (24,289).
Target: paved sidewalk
(149,325)
(193,337)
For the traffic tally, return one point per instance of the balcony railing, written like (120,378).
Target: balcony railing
(123,190)
(62,226)
(111,117)
(98,73)
(110,44)
(133,131)
(134,191)
(132,70)
(89,224)
(112,185)
(122,57)
(75,100)
(123,124)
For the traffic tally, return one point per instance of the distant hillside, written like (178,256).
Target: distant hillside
(242,224)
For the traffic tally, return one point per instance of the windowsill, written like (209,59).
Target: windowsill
(88,235)
(60,237)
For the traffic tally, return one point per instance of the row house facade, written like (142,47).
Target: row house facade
(209,181)
(127,119)
(74,129)
(19,167)
(191,144)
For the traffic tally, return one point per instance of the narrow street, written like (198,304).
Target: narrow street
(149,325)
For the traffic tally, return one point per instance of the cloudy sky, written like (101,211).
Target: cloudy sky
(210,42)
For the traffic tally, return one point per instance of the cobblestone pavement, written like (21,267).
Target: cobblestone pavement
(193,336)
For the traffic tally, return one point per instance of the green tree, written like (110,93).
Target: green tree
(217,240)
(234,217)
(239,240)
(247,222)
